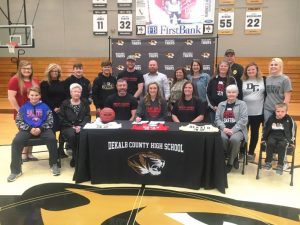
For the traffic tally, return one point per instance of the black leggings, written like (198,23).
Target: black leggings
(254,124)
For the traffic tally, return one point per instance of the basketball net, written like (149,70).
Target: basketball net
(11,47)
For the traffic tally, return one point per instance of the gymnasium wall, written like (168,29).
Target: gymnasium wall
(63,28)
(91,68)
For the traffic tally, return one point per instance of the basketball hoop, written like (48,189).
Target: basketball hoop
(11,46)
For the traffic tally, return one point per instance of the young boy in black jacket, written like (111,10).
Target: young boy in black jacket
(278,134)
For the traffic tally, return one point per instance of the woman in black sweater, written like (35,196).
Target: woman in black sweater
(53,94)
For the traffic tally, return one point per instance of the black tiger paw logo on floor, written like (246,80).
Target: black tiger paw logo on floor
(146,163)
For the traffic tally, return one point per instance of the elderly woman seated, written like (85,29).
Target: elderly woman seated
(232,119)
(74,114)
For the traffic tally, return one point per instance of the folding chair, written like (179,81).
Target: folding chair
(290,152)
(35,141)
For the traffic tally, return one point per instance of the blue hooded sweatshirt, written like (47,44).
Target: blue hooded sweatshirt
(33,116)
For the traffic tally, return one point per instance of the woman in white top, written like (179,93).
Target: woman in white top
(253,95)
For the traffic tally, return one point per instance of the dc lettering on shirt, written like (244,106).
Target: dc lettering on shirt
(253,87)
(220,88)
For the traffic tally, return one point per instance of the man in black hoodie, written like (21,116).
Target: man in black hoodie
(103,86)
(78,77)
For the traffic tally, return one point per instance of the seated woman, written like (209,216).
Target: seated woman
(232,119)
(188,108)
(152,106)
(33,119)
(74,113)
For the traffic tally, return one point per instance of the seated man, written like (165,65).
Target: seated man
(74,113)
(33,119)
(122,103)
(278,134)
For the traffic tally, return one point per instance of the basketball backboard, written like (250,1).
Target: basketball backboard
(22,35)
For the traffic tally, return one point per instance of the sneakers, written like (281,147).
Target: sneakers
(279,169)
(268,166)
(12,177)
(236,163)
(251,158)
(55,170)
(286,166)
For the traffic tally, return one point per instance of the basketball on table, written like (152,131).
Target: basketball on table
(107,115)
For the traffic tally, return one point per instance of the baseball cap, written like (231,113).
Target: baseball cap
(131,57)
(229,51)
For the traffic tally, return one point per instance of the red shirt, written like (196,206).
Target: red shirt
(14,86)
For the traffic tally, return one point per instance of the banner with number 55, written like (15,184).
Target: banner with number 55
(226,21)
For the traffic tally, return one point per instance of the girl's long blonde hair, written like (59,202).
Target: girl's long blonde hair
(20,76)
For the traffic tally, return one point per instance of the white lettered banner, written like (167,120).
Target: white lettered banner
(125,22)
(99,3)
(100,22)
(253,22)
(226,21)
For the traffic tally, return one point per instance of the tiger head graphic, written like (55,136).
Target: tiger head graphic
(146,163)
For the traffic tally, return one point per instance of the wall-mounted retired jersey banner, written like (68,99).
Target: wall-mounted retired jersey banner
(173,17)
(124,3)
(254,1)
(226,2)
(100,22)
(164,51)
(125,22)
(226,21)
(253,22)
(99,3)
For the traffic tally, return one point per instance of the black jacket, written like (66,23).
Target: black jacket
(288,124)
(69,118)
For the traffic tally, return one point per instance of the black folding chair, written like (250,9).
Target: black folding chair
(35,141)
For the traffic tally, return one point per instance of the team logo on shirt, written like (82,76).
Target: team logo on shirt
(220,88)
(277,126)
(253,87)
(146,163)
